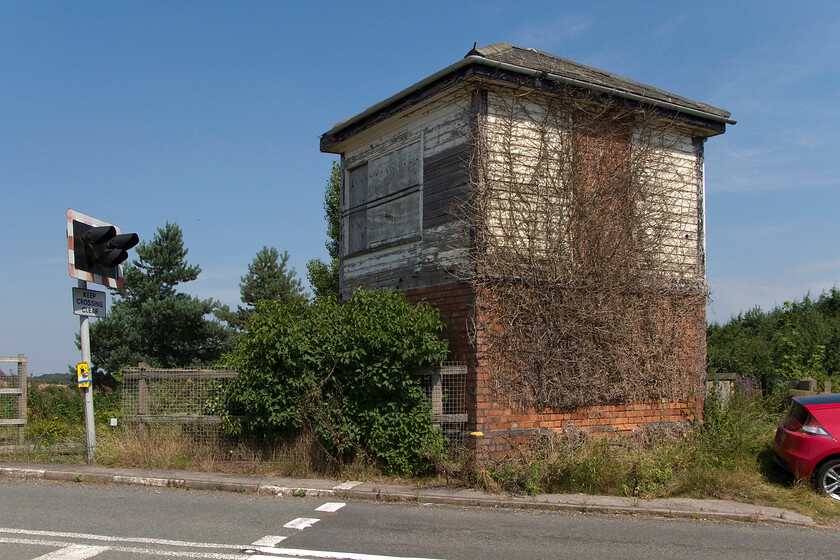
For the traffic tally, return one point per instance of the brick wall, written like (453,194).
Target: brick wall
(504,430)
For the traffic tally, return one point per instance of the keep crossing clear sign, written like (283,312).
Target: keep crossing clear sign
(90,303)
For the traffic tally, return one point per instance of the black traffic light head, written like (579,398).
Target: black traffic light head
(115,250)
(97,249)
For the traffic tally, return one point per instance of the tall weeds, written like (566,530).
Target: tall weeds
(728,456)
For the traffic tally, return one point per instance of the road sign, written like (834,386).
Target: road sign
(83,374)
(90,303)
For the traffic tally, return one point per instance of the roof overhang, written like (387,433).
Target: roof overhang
(713,121)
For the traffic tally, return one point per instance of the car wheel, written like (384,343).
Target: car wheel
(828,479)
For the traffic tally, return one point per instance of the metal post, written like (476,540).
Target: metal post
(90,428)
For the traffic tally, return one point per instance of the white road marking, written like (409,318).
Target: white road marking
(106,538)
(301,523)
(331,507)
(299,553)
(289,553)
(346,485)
(23,473)
(136,550)
(268,540)
(74,552)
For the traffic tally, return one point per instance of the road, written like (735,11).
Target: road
(66,521)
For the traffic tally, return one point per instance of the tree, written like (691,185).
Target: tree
(151,322)
(797,340)
(324,276)
(268,279)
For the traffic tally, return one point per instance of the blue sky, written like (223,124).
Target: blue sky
(208,114)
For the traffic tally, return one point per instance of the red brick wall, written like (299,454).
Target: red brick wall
(503,429)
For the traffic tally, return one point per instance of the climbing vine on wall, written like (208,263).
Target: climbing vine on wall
(586,250)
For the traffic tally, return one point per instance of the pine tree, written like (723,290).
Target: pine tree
(269,279)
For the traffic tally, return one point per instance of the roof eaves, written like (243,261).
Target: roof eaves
(452,68)
(717,115)
(477,57)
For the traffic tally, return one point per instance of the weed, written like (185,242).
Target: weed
(728,456)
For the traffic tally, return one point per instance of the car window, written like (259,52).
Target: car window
(798,413)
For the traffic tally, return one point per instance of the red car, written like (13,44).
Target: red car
(807,443)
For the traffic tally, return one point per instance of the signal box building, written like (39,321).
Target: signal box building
(457,167)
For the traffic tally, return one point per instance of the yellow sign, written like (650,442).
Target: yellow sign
(83,374)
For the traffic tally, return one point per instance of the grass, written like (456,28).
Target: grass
(173,447)
(55,433)
(727,457)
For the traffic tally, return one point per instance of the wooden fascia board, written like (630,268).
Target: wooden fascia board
(699,125)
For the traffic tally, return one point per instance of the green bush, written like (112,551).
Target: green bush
(799,339)
(344,371)
(56,411)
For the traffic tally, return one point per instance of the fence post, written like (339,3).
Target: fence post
(142,396)
(22,379)
(436,396)
(720,386)
(143,399)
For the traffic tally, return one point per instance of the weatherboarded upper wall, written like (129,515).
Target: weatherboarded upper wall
(402,180)
(527,152)
(405,179)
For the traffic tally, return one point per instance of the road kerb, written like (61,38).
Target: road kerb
(368,492)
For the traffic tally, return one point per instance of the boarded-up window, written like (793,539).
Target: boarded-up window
(356,203)
(383,200)
(600,207)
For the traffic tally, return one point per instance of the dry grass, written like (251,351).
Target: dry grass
(729,457)
(174,448)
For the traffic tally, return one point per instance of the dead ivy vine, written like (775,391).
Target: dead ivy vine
(587,265)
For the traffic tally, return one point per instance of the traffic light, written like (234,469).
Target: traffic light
(97,249)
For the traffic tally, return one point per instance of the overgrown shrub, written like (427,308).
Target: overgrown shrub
(345,372)
(588,290)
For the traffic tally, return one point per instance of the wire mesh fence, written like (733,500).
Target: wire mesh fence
(180,413)
(188,404)
(12,401)
(445,387)
(191,405)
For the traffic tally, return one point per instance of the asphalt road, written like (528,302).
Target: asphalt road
(67,521)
